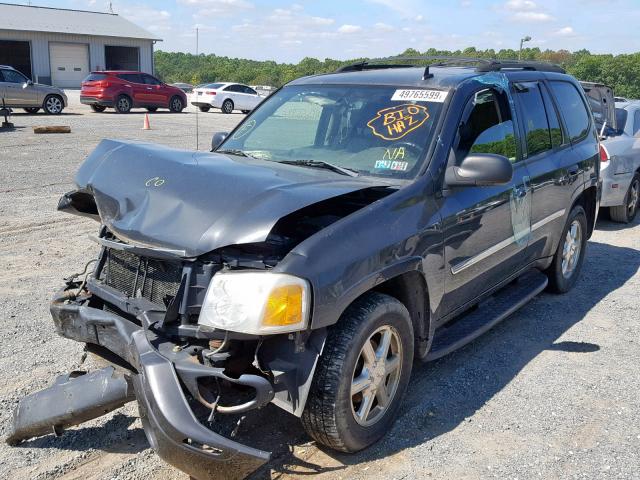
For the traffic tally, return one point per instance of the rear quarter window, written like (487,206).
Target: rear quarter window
(572,108)
(95,77)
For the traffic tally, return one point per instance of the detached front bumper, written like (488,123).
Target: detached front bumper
(169,423)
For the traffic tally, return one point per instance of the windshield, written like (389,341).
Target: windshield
(372,130)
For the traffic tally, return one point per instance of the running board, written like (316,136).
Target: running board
(488,314)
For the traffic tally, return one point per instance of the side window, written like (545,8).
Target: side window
(557,137)
(636,123)
(487,127)
(232,88)
(1,76)
(534,118)
(250,91)
(572,108)
(11,76)
(149,80)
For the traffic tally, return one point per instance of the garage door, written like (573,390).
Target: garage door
(69,64)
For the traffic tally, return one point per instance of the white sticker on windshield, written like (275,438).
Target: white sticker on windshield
(437,96)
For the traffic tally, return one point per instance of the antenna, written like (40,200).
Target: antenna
(197,109)
(110,7)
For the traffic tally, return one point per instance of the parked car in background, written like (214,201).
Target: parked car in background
(620,167)
(225,96)
(18,91)
(124,90)
(185,87)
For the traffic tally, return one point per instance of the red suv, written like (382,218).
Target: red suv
(124,90)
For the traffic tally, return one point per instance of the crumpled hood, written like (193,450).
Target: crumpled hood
(196,202)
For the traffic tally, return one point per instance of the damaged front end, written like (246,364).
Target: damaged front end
(150,307)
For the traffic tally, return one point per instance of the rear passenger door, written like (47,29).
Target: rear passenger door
(554,166)
(135,87)
(232,92)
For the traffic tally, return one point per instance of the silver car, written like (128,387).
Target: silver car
(621,173)
(18,91)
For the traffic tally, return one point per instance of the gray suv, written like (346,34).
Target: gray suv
(18,91)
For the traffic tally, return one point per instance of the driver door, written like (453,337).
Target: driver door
(486,228)
(17,92)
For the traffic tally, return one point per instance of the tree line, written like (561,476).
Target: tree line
(622,72)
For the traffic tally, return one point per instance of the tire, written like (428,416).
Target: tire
(53,105)
(246,111)
(98,108)
(331,412)
(227,106)
(31,109)
(152,109)
(627,213)
(204,108)
(123,104)
(176,105)
(570,253)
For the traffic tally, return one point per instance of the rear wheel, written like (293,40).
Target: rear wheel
(98,108)
(362,375)
(152,109)
(123,104)
(627,213)
(175,104)
(227,106)
(31,109)
(567,261)
(204,108)
(53,105)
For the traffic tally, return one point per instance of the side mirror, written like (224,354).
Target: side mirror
(217,139)
(480,169)
(28,83)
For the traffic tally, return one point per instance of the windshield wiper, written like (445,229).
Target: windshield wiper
(322,164)
(235,152)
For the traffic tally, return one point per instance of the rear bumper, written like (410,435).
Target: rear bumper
(169,423)
(104,102)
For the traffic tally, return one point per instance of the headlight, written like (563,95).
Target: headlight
(256,303)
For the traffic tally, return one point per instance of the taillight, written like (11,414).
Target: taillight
(604,155)
(103,84)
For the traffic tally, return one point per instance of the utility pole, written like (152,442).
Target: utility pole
(197,123)
(522,40)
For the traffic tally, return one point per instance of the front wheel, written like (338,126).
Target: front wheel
(53,105)
(98,108)
(152,109)
(567,261)
(246,112)
(227,106)
(204,108)
(362,374)
(175,104)
(32,109)
(627,213)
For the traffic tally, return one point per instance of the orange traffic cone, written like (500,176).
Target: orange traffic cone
(145,125)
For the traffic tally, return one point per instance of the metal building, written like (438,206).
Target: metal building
(60,47)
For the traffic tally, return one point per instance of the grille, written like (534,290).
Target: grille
(156,280)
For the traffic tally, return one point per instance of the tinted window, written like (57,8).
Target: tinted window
(95,77)
(149,80)
(573,109)
(534,118)
(636,123)
(487,128)
(249,90)
(557,137)
(213,86)
(11,76)
(131,77)
(233,88)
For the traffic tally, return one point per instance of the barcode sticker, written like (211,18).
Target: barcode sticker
(437,96)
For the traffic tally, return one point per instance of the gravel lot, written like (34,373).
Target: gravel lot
(550,393)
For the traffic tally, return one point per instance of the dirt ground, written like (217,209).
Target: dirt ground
(552,392)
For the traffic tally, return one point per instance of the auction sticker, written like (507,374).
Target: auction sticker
(437,96)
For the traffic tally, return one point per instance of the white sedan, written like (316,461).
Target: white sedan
(225,96)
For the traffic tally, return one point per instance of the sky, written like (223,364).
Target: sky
(289,30)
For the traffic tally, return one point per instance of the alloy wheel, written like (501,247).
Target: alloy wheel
(176,104)
(123,104)
(54,105)
(376,376)
(634,196)
(571,249)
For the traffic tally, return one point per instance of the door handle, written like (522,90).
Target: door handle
(149,88)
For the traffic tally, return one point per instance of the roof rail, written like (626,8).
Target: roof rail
(482,64)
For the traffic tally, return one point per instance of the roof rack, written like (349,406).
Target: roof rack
(482,64)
